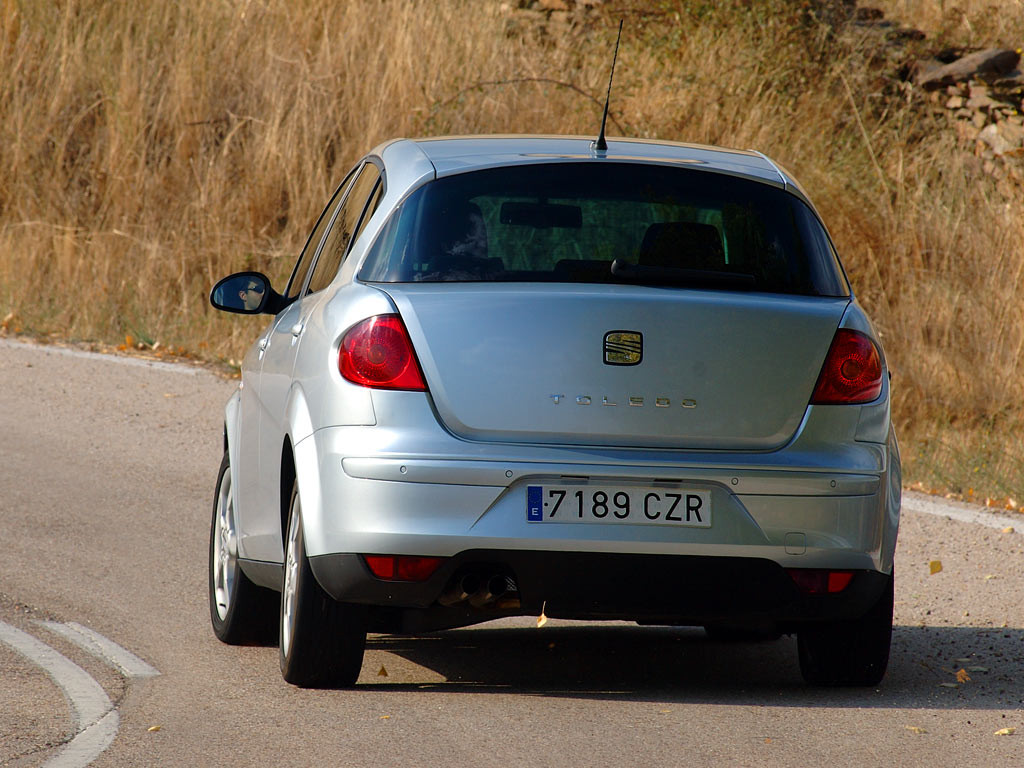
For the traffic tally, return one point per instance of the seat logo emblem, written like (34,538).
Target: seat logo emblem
(623,348)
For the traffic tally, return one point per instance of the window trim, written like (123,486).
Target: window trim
(330,210)
(352,178)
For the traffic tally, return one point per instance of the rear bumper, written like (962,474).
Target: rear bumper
(441,506)
(693,590)
(825,505)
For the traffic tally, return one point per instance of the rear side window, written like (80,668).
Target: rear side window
(607,222)
(309,251)
(354,213)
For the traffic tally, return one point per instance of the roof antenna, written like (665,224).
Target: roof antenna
(601,145)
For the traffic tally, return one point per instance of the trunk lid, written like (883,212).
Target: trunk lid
(526,363)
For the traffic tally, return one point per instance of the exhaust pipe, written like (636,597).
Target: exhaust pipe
(494,588)
(460,590)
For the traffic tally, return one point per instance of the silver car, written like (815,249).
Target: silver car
(515,375)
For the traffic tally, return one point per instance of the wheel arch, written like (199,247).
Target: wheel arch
(893,502)
(300,464)
(287,480)
(230,439)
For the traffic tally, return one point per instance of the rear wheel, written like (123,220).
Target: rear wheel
(321,640)
(240,611)
(849,652)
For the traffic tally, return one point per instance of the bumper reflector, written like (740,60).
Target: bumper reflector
(816,581)
(402,567)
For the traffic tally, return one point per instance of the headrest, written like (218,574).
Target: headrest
(683,245)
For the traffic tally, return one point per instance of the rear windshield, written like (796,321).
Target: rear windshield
(606,223)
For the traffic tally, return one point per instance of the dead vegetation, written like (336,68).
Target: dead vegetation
(148,149)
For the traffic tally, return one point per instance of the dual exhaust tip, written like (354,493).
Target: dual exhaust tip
(480,590)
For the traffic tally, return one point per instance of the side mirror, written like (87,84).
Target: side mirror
(247,293)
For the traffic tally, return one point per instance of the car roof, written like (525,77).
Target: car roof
(458,154)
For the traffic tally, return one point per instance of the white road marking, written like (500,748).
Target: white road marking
(109,357)
(965,513)
(102,648)
(95,719)
(87,745)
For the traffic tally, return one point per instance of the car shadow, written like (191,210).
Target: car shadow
(670,664)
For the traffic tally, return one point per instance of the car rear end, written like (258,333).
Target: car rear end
(609,386)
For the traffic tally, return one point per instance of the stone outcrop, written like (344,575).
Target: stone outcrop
(983,93)
(988,65)
(979,92)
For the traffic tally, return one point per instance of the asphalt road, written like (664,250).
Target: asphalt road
(107,468)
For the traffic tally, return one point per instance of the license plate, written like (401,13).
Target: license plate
(607,504)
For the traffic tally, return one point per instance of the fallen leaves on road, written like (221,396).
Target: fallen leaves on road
(383,672)
(962,676)
(542,619)
(153,728)
(1009,529)
(1006,732)
(934,566)
(915,729)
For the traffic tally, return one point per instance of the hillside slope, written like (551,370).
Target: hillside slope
(149,149)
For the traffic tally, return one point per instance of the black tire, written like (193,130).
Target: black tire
(853,653)
(321,640)
(241,612)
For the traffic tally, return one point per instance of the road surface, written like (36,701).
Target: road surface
(107,466)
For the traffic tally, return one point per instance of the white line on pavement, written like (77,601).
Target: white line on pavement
(87,745)
(966,513)
(111,358)
(95,719)
(102,648)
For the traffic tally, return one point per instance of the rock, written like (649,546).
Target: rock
(1011,80)
(995,140)
(988,64)
(982,101)
(922,70)
(1012,133)
(955,102)
(979,119)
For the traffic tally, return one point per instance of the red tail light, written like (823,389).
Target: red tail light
(402,567)
(377,353)
(852,372)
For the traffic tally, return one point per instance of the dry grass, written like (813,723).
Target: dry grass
(148,149)
(971,23)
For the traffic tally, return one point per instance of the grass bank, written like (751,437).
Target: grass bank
(149,149)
